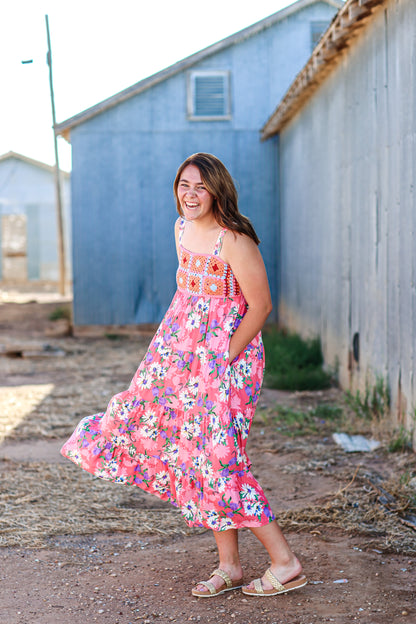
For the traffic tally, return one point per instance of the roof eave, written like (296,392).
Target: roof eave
(327,54)
(32,161)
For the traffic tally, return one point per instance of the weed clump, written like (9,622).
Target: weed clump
(60,313)
(293,363)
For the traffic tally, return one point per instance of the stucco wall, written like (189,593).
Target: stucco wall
(348,213)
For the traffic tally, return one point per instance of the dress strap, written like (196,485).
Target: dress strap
(218,244)
(181,229)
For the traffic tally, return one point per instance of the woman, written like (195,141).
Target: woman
(180,430)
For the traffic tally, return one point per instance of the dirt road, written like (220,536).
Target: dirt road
(75,549)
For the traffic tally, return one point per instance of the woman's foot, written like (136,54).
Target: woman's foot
(235,574)
(284,573)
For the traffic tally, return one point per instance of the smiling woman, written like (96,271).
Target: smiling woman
(180,430)
(195,200)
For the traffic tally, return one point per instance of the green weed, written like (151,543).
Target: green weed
(374,404)
(293,423)
(60,313)
(400,441)
(293,363)
(110,336)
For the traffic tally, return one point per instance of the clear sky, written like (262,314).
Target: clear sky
(99,48)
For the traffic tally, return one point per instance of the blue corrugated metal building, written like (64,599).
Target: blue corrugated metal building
(126,151)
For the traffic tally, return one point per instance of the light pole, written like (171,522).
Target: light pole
(58,194)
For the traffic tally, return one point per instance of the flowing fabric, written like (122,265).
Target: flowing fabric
(181,428)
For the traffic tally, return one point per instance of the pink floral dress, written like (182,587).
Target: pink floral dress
(180,430)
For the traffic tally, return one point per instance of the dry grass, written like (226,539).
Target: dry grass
(360,508)
(39,500)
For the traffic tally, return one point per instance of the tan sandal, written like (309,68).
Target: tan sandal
(212,591)
(278,588)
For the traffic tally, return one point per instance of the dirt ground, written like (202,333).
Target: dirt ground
(75,549)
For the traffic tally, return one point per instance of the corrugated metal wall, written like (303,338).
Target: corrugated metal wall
(125,160)
(348,210)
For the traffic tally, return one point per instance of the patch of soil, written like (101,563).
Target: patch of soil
(77,558)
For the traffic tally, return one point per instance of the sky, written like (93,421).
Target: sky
(98,48)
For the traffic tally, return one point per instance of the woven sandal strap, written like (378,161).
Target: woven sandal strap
(258,586)
(210,586)
(273,580)
(224,577)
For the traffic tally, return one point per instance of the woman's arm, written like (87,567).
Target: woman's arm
(244,257)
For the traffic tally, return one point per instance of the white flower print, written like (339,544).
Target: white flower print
(220,437)
(237,380)
(224,393)
(206,471)
(202,306)
(150,432)
(112,467)
(160,487)
(194,320)
(245,431)
(212,519)
(238,421)
(121,440)
(75,456)
(197,462)
(240,457)
(149,417)
(248,492)
(144,380)
(162,477)
(164,350)
(155,369)
(229,324)
(193,385)
(187,400)
(221,483)
(249,507)
(226,523)
(244,368)
(187,430)
(189,510)
(201,353)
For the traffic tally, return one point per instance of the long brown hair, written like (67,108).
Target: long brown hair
(219,183)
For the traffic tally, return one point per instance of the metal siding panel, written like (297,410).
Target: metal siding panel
(362,123)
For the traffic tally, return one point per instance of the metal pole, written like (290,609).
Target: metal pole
(58,194)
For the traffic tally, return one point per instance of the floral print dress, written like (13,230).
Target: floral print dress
(180,430)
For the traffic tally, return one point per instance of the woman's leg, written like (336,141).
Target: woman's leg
(284,563)
(229,558)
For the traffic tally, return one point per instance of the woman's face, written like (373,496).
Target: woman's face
(196,202)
